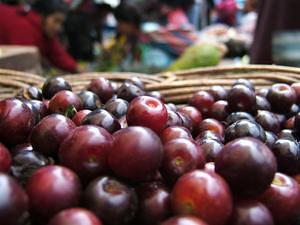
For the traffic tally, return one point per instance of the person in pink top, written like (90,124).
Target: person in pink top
(175,14)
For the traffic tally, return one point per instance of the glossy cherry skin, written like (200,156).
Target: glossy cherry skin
(186,121)
(241,98)
(171,107)
(13,203)
(244,128)
(289,124)
(181,156)
(49,133)
(218,92)
(244,82)
(236,116)
(209,135)
(137,81)
(203,101)
(79,116)
(101,87)
(211,125)
(174,119)
(129,91)
(63,100)
(282,198)
(254,158)
(175,132)
(218,110)
(193,114)
(250,212)
(5,159)
(117,107)
(89,100)
(287,153)
(52,189)
(27,147)
(104,119)
(16,122)
(184,220)
(268,121)
(296,87)
(85,151)
(210,148)
(297,123)
(262,103)
(31,93)
(287,134)
(281,97)
(263,92)
(203,194)
(40,110)
(25,163)
(136,153)
(55,85)
(154,203)
(271,138)
(148,112)
(157,95)
(75,216)
(111,200)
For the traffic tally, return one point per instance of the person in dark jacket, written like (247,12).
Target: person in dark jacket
(277,36)
(38,26)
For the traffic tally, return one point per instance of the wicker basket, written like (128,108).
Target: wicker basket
(176,87)
(186,83)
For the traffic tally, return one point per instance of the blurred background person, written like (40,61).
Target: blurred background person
(37,26)
(277,36)
(226,12)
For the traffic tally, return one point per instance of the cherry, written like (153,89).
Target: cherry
(289,124)
(171,107)
(254,158)
(296,87)
(282,198)
(157,95)
(31,92)
(137,81)
(75,216)
(203,101)
(52,189)
(262,103)
(287,153)
(294,110)
(281,97)
(271,138)
(89,100)
(111,200)
(181,156)
(63,102)
(85,151)
(218,110)
(211,148)
(236,116)
(186,121)
(211,125)
(218,92)
(129,91)
(117,107)
(174,119)
(241,98)
(244,128)
(263,92)
(175,132)
(13,203)
(193,115)
(244,82)
(184,220)
(102,88)
(148,112)
(55,85)
(136,153)
(16,122)
(27,147)
(25,163)
(203,194)
(287,134)
(268,121)
(209,135)
(49,133)
(40,107)
(5,159)
(154,203)
(250,212)
(104,119)
(79,116)
(297,123)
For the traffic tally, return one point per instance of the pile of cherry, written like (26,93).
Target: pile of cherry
(117,155)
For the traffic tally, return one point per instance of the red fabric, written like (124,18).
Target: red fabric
(177,18)
(18,27)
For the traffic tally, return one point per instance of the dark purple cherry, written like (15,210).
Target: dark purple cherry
(55,85)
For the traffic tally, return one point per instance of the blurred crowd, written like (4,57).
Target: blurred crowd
(116,33)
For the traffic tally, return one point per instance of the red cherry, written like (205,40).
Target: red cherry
(171,133)
(101,87)
(184,220)
(79,116)
(148,112)
(203,101)
(203,194)
(52,189)
(75,216)
(63,101)
(193,114)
